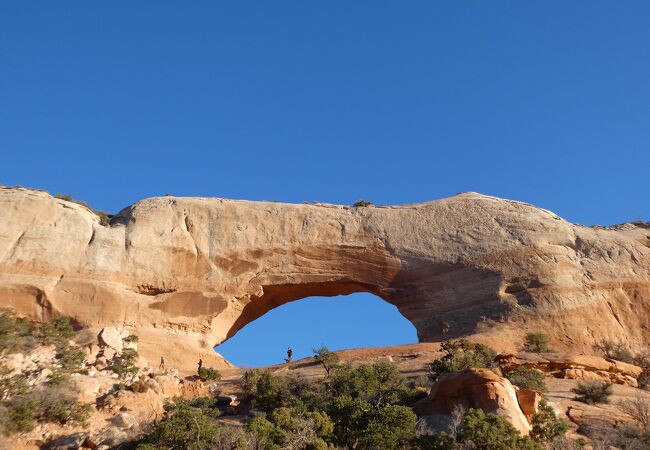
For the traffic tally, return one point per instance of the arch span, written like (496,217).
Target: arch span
(357,320)
(186,273)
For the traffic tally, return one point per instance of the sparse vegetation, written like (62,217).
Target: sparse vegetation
(479,431)
(593,391)
(527,378)
(460,355)
(361,203)
(546,426)
(22,406)
(638,408)
(209,374)
(614,350)
(124,362)
(104,217)
(537,343)
(326,358)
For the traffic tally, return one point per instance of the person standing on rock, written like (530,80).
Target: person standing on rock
(162,364)
(200,363)
(289,355)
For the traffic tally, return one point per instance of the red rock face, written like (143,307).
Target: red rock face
(186,273)
(481,389)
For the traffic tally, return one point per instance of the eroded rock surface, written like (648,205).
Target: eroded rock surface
(186,273)
(481,389)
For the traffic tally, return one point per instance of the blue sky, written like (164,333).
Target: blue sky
(395,102)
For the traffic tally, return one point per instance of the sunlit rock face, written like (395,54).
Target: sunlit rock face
(187,273)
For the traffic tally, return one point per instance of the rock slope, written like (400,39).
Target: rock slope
(187,273)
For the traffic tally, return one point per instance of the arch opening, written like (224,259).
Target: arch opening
(355,320)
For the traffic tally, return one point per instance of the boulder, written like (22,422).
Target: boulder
(124,420)
(112,337)
(528,402)
(72,442)
(478,388)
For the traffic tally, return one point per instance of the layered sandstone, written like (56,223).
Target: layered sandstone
(186,273)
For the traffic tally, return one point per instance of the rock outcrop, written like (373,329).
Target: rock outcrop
(574,367)
(184,274)
(481,389)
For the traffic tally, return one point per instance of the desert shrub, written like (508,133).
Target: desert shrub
(19,334)
(492,432)
(614,350)
(593,391)
(326,358)
(57,378)
(546,426)
(391,427)
(605,436)
(527,378)
(21,418)
(209,374)
(140,385)
(638,408)
(123,363)
(378,383)
(292,428)
(184,427)
(11,384)
(16,334)
(62,408)
(132,338)
(537,343)
(460,355)
(262,388)
(361,203)
(47,405)
(71,359)
(104,217)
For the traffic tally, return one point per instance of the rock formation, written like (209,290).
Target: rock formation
(574,367)
(481,389)
(186,273)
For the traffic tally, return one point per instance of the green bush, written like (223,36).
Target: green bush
(10,384)
(546,426)
(492,432)
(537,343)
(21,417)
(71,359)
(61,408)
(378,383)
(124,364)
(593,391)
(16,334)
(263,389)
(527,378)
(185,427)
(209,374)
(389,428)
(328,359)
(292,428)
(460,355)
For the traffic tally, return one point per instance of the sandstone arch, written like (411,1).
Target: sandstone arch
(347,321)
(186,273)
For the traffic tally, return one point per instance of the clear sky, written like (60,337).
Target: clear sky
(395,102)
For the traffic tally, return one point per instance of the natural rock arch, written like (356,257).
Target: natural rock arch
(348,321)
(185,273)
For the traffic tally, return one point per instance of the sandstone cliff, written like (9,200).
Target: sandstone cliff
(187,273)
